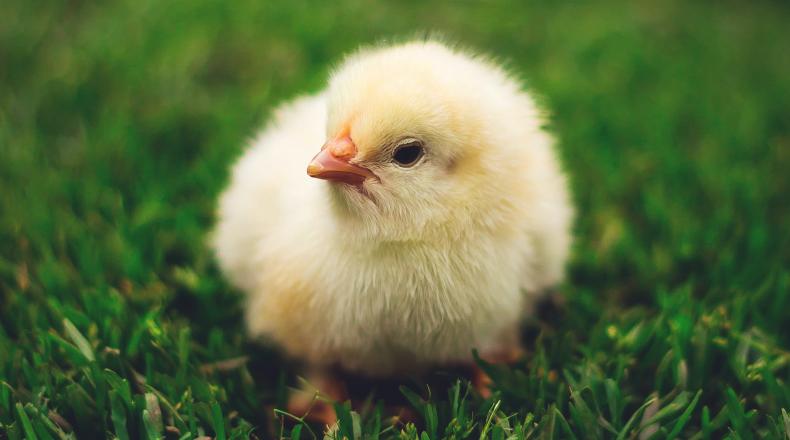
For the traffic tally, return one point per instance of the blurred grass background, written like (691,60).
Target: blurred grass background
(119,120)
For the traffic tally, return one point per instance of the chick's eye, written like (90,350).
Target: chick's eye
(408,154)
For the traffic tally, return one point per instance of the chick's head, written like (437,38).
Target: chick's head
(420,141)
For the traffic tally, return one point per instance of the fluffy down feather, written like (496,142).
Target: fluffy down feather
(422,264)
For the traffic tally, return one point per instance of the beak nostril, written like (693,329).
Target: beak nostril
(342,148)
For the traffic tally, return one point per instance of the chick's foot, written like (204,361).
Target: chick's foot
(313,402)
(481,381)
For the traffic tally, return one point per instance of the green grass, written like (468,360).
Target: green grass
(118,122)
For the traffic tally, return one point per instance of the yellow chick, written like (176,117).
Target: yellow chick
(425,226)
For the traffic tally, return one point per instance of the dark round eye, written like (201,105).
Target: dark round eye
(408,154)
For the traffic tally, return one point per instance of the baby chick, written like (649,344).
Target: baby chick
(425,226)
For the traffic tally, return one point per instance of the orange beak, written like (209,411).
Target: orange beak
(332,163)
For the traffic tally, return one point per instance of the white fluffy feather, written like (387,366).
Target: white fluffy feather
(435,259)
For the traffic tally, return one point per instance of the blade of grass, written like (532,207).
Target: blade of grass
(685,417)
(76,337)
(634,417)
(25,421)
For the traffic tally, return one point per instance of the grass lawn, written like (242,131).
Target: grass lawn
(118,123)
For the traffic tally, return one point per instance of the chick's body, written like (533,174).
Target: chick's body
(415,265)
